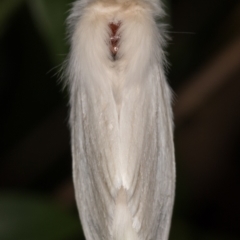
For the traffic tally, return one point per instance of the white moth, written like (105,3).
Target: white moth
(121,120)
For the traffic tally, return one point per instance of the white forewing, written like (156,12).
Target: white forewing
(121,123)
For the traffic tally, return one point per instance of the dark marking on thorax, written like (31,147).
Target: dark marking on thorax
(114,38)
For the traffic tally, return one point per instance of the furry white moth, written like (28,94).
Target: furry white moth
(121,120)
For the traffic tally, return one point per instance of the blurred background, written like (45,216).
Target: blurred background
(36,192)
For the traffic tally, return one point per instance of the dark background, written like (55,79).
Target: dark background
(36,192)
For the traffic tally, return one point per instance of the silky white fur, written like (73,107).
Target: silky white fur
(121,121)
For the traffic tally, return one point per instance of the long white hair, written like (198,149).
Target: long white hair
(121,120)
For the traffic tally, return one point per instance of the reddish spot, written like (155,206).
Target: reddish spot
(114,38)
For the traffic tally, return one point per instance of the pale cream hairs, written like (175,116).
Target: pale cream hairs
(121,120)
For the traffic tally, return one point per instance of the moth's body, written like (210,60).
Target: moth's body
(121,121)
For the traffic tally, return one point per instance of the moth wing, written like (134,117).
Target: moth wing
(94,126)
(147,161)
(148,148)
